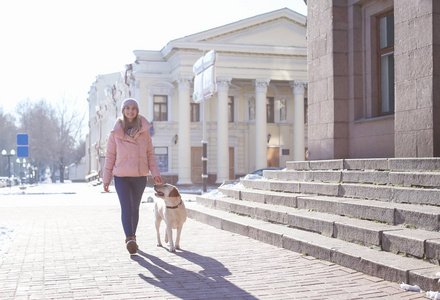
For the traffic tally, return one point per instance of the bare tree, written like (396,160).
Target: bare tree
(55,134)
(37,119)
(8,133)
(70,124)
(79,151)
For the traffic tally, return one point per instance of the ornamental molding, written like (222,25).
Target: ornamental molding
(298,86)
(223,83)
(184,82)
(261,85)
(161,88)
(247,52)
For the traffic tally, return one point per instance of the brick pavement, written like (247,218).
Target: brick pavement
(71,246)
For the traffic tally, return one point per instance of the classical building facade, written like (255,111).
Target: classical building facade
(374,78)
(257,117)
(105,100)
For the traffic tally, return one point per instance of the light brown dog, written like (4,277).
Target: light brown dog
(172,211)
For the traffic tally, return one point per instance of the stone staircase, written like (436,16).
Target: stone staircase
(377,216)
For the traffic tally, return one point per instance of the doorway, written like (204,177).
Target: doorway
(273,157)
(197,164)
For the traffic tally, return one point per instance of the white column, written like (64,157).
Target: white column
(184,134)
(298,120)
(222,129)
(135,90)
(260,123)
(150,106)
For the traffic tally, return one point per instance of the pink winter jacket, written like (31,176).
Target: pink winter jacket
(127,156)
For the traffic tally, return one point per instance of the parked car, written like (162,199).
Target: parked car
(259,172)
(3,182)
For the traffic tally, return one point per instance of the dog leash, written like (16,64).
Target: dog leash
(174,207)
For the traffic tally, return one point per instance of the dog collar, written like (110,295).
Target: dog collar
(174,207)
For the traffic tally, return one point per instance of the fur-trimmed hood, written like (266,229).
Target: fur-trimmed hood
(119,131)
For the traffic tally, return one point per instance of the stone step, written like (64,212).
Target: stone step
(418,243)
(350,190)
(391,164)
(381,264)
(405,179)
(414,216)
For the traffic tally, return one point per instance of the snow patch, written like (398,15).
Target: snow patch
(6,235)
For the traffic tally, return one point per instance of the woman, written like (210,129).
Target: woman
(129,159)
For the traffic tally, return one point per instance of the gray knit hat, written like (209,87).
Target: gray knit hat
(129,101)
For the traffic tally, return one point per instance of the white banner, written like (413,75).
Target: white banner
(205,81)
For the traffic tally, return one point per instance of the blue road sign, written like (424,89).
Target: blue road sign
(22,139)
(22,151)
(22,145)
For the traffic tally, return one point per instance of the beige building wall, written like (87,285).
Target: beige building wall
(105,99)
(259,57)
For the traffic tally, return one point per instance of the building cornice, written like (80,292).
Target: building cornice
(241,50)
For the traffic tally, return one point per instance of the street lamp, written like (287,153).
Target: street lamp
(19,168)
(22,168)
(11,153)
(100,111)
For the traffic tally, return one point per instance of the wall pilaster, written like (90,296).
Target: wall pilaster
(222,129)
(298,120)
(417,79)
(261,86)
(184,144)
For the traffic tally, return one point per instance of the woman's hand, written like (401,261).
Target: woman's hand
(106,189)
(157,179)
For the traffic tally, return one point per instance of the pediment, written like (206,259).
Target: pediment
(279,33)
(284,28)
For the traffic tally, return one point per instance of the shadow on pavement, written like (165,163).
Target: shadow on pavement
(206,284)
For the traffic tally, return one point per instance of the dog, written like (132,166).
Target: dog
(172,211)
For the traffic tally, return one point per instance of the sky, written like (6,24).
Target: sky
(54,49)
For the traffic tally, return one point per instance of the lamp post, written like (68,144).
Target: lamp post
(99,144)
(23,176)
(19,169)
(33,174)
(11,153)
(22,168)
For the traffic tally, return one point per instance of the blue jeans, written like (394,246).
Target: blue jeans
(130,190)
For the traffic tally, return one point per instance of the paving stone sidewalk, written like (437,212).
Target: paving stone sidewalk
(70,245)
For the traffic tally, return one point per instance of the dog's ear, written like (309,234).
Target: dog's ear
(174,193)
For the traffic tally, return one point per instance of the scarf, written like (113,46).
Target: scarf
(131,131)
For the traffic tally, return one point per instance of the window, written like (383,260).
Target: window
(385,34)
(231,109)
(161,154)
(270,110)
(306,110)
(160,108)
(195,112)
